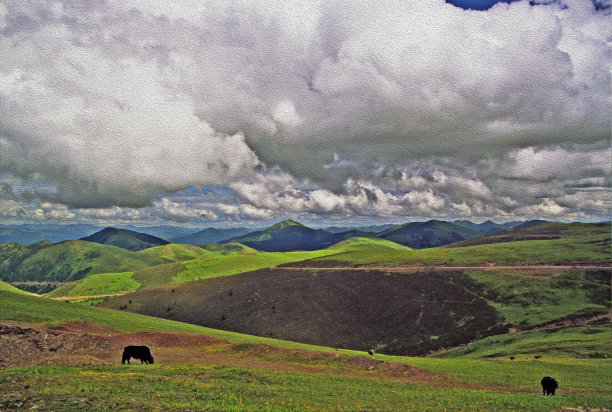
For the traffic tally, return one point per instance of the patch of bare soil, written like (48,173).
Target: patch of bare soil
(25,345)
(164,339)
(86,327)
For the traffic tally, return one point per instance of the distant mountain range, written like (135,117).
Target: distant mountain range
(210,235)
(126,239)
(420,235)
(290,235)
(371,228)
(283,236)
(32,233)
(50,232)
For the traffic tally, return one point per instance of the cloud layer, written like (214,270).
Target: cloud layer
(384,108)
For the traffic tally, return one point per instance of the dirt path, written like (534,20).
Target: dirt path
(84,297)
(395,268)
(577,322)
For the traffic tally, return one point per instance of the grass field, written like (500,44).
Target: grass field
(5,287)
(465,384)
(528,299)
(554,342)
(218,387)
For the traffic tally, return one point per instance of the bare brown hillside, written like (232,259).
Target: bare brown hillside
(396,313)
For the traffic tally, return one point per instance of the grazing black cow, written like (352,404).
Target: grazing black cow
(137,352)
(548,385)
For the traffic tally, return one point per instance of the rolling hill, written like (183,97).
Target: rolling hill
(125,239)
(544,231)
(575,243)
(72,260)
(421,235)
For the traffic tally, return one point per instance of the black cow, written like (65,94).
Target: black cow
(137,352)
(548,385)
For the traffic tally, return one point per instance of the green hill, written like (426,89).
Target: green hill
(366,243)
(5,287)
(177,268)
(573,243)
(66,261)
(541,231)
(125,239)
(76,259)
(229,248)
(421,235)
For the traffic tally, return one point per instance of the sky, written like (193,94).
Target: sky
(234,112)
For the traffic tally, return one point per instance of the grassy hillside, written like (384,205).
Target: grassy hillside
(542,232)
(529,299)
(371,245)
(577,341)
(229,248)
(293,382)
(189,263)
(75,259)
(174,253)
(66,261)
(300,381)
(97,287)
(5,287)
(575,243)
(233,264)
(231,388)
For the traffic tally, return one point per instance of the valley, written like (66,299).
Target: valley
(480,318)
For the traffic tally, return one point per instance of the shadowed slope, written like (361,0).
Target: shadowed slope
(125,239)
(420,235)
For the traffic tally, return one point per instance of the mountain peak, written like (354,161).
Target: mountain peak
(126,239)
(284,224)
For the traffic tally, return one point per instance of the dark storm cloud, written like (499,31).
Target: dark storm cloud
(362,107)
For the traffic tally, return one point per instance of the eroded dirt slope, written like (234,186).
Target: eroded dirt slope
(399,313)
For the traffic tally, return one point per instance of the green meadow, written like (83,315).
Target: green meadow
(225,388)
(475,384)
